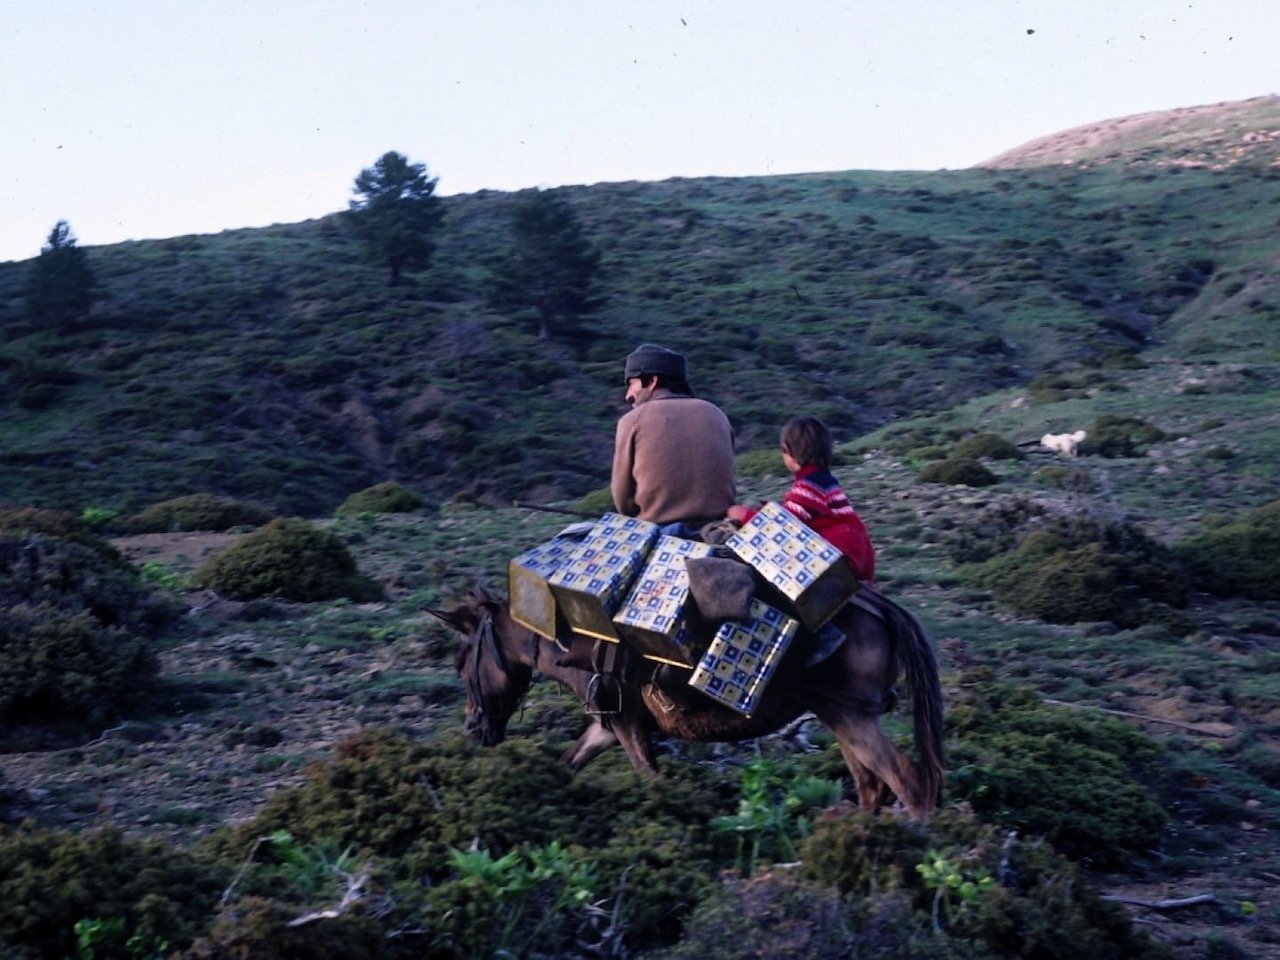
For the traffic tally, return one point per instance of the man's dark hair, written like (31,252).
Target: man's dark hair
(808,441)
(674,384)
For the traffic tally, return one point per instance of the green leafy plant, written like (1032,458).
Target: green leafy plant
(957,887)
(98,517)
(156,574)
(98,939)
(538,898)
(773,813)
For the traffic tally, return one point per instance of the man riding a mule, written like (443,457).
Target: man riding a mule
(673,452)
(673,465)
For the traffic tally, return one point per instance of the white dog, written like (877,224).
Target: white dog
(1064,443)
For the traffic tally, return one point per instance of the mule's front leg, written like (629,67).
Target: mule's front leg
(593,741)
(638,746)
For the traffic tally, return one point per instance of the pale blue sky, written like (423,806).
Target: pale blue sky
(134,119)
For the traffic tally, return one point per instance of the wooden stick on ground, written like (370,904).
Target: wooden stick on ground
(1138,716)
(1165,904)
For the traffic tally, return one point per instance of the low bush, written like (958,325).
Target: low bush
(958,471)
(775,914)
(990,893)
(414,807)
(199,511)
(59,524)
(1114,436)
(264,929)
(1071,777)
(1238,559)
(1062,565)
(77,628)
(388,497)
(989,445)
(60,891)
(289,559)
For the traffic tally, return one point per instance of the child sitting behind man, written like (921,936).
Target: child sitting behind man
(816,498)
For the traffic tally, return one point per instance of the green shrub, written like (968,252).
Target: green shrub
(777,915)
(1067,566)
(989,445)
(958,471)
(77,628)
(1071,777)
(257,928)
(199,511)
(1238,559)
(926,454)
(1114,436)
(1038,905)
(408,805)
(289,559)
(1061,477)
(58,524)
(388,497)
(115,889)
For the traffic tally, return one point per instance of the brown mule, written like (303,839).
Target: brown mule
(847,692)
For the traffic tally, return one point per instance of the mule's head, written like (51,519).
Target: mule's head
(496,681)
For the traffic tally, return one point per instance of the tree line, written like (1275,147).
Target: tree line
(549,273)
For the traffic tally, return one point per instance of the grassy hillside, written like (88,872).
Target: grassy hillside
(286,750)
(274,365)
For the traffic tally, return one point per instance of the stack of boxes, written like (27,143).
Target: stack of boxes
(800,571)
(591,584)
(532,603)
(743,656)
(655,618)
(625,582)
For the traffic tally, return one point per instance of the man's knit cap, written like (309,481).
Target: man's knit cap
(651,358)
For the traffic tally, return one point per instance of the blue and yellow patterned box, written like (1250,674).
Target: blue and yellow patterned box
(653,619)
(532,603)
(743,657)
(802,572)
(591,585)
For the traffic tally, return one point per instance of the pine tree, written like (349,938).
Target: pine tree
(396,213)
(61,287)
(551,268)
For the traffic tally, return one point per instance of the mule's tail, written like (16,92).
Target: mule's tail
(920,668)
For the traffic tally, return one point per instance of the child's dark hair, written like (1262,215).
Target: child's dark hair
(808,441)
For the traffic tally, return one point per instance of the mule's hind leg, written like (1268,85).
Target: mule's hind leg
(594,740)
(876,763)
(871,789)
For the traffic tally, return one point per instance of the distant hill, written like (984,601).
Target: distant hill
(1214,137)
(276,365)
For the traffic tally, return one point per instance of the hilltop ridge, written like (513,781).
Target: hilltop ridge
(1212,136)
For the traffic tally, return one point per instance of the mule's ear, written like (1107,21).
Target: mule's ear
(462,619)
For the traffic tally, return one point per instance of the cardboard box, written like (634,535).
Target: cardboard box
(654,618)
(532,603)
(800,571)
(591,585)
(743,656)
